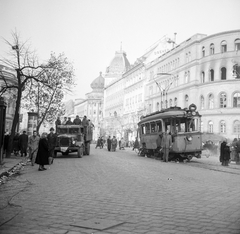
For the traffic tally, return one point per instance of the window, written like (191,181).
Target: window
(223,46)
(237,44)
(236,127)
(223,100)
(175,101)
(212,49)
(150,108)
(236,100)
(153,127)
(202,103)
(210,102)
(210,126)
(189,57)
(170,103)
(150,90)
(186,101)
(157,106)
(236,71)
(223,73)
(159,126)
(203,77)
(222,126)
(211,75)
(203,51)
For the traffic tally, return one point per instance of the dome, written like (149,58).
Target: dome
(119,63)
(98,83)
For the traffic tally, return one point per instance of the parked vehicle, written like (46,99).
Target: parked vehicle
(73,138)
(182,124)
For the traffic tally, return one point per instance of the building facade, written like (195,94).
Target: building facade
(203,70)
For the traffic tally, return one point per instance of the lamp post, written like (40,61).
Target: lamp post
(164,90)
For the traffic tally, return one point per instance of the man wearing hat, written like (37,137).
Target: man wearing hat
(52,140)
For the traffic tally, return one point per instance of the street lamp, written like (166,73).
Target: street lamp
(164,90)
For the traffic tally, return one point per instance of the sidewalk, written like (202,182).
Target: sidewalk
(11,166)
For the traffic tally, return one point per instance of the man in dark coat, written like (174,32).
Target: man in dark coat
(77,121)
(238,152)
(224,153)
(52,141)
(69,122)
(109,142)
(23,143)
(42,154)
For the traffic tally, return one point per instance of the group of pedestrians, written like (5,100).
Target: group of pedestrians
(40,149)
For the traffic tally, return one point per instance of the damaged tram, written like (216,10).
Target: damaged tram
(184,127)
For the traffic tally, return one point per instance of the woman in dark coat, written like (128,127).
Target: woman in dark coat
(16,147)
(224,153)
(43,154)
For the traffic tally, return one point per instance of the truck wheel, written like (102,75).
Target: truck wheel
(87,149)
(80,152)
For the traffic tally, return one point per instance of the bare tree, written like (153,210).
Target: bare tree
(28,70)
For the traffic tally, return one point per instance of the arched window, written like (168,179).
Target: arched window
(201,102)
(223,46)
(222,126)
(223,100)
(236,71)
(186,100)
(157,106)
(175,101)
(236,127)
(211,75)
(150,108)
(189,56)
(212,48)
(170,103)
(203,51)
(236,100)
(223,73)
(237,44)
(203,77)
(161,105)
(186,77)
(210,101)
(210,126)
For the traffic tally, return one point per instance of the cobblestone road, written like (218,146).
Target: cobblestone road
(141,195)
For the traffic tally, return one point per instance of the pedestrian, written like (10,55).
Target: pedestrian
(33,147)
(64,121)
(224,153)
(77,120)
(166,145)
(109,143)
(238,152)
(234,150)
(23,143)
(98,143)
(42,154)
(101,143)
(136,144)
(114,144)
(16,144)
(52,141)
(69,121)
(122,144)
(119,144)
(90,123)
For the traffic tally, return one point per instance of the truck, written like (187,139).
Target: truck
(73,138)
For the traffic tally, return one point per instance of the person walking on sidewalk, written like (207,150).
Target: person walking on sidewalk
(52,141)
(16,144)
(109,142)
(42,154)
(114,143)
(33,147)
(23,143)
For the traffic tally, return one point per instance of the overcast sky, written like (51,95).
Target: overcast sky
(90,31)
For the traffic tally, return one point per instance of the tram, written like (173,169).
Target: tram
(182,124)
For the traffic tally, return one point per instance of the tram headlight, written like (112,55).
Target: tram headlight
(193,113)
(189,138)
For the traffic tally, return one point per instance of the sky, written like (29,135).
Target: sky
(89,32)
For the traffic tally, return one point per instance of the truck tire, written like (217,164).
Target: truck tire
(87,148)
(80,152)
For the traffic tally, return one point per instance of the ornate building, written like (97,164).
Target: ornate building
(92,106)
(114,94)
(203,70)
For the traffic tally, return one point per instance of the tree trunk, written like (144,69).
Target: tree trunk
(15,119)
